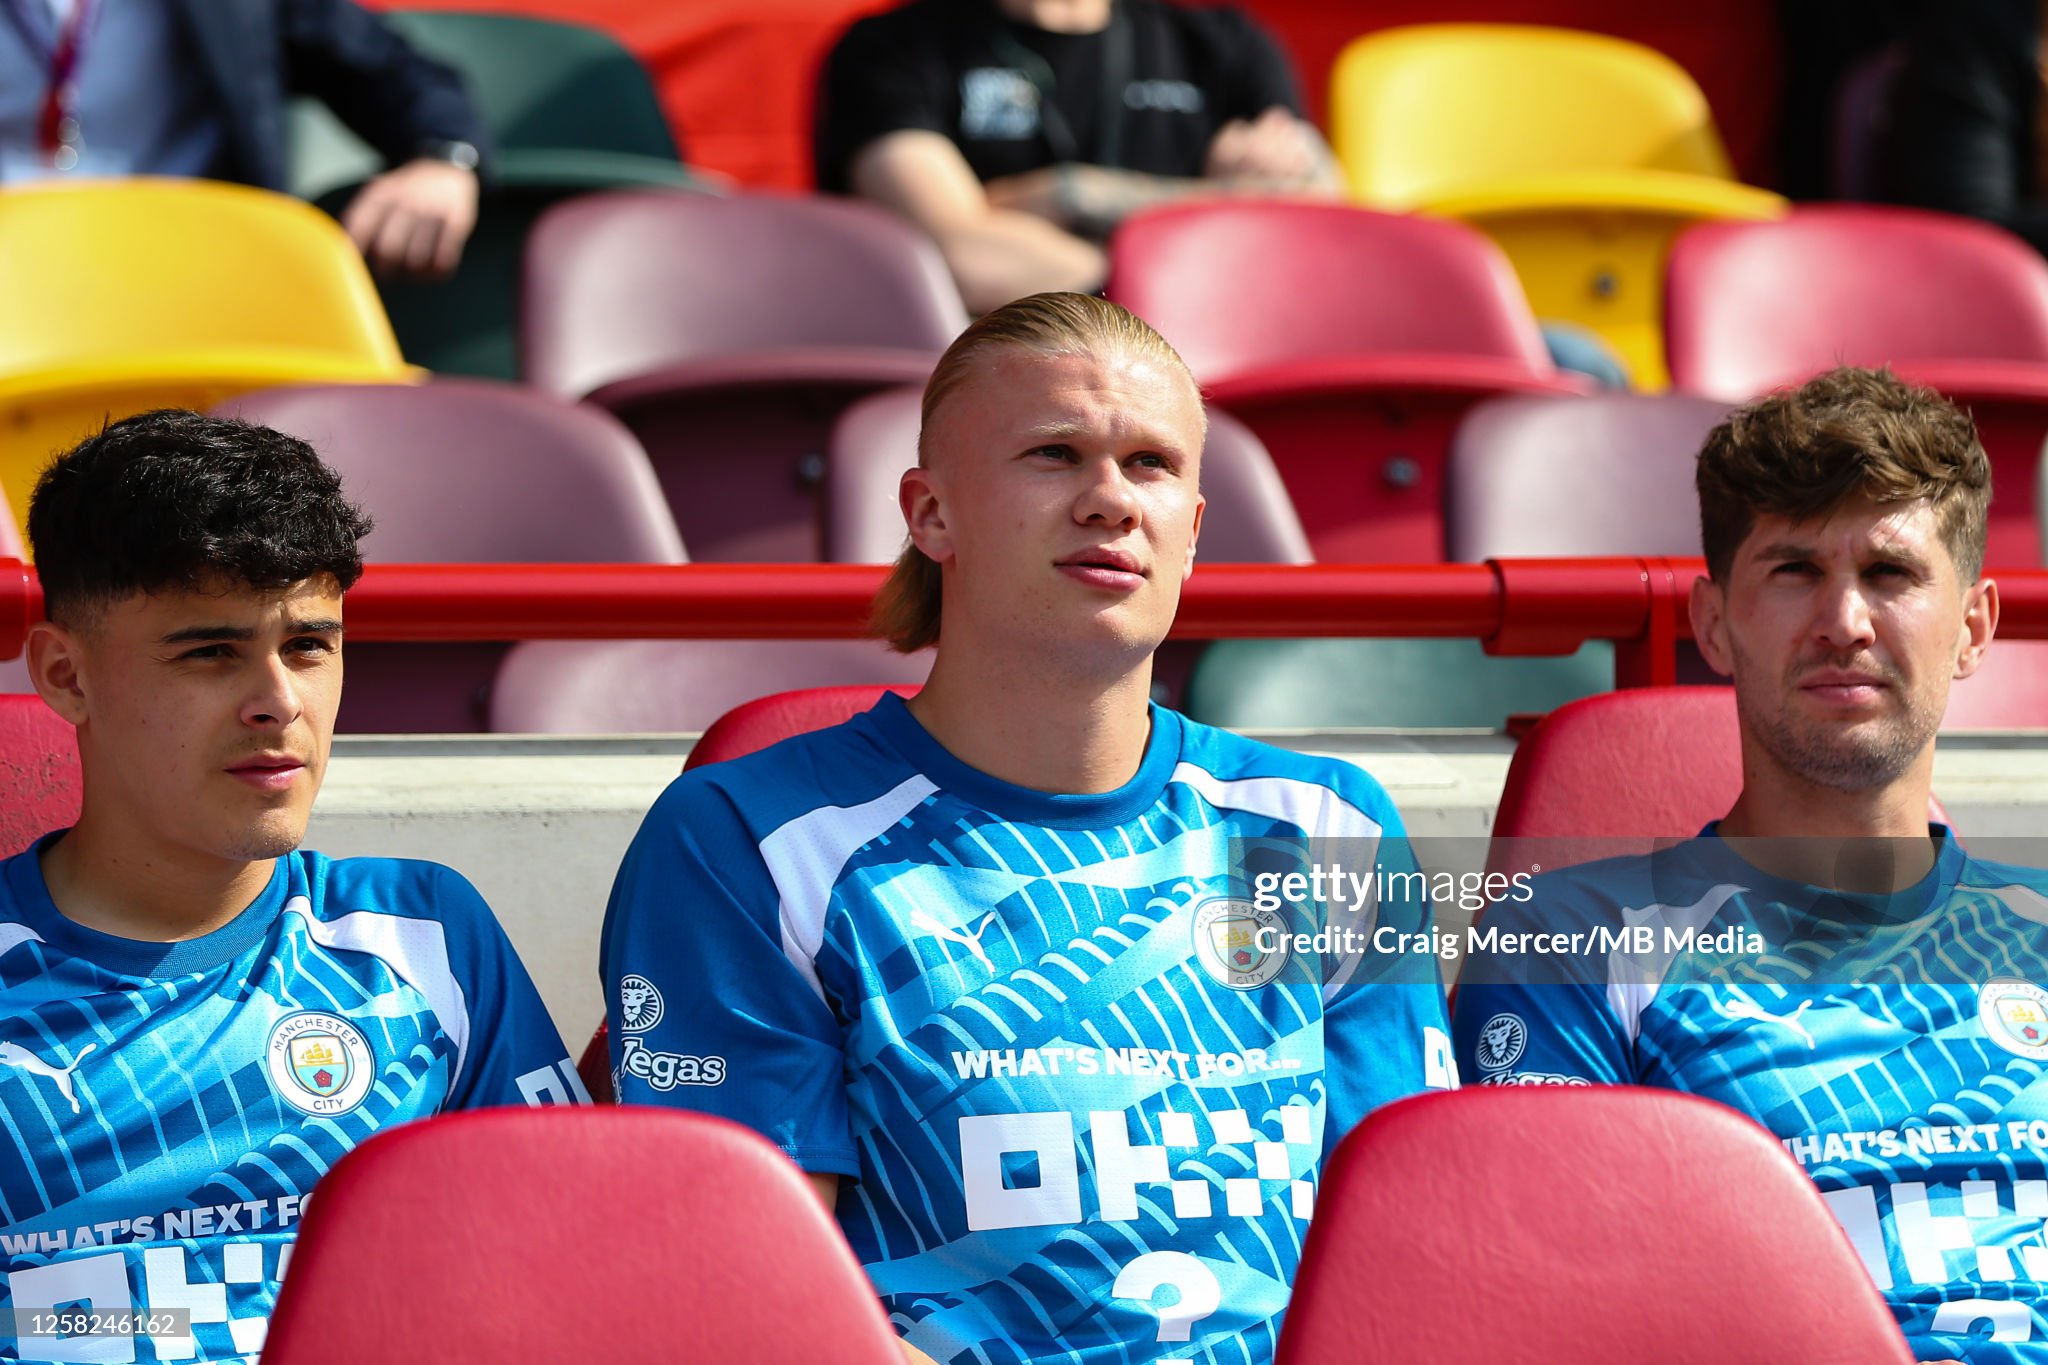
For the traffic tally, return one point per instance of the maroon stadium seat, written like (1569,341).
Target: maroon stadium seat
(465,471)
(1555,1226)
(1952,303)
(572,1234)
(604,687)
(729,334)
(39,777)
(1607,474)
(1349,341)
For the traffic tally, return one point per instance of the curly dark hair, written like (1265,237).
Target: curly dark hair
(170,498)
(1848,433)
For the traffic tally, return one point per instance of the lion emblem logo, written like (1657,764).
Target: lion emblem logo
(1501,1042)
(639,1004)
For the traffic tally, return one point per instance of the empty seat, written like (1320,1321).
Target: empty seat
(1248,520)
(1349,341)
(40,781)
(1606,474)
(125,295)
(572,1234)
(1952,303)
(1612,1223)
(729,334)
(1580,154)
(465,471)
(568,110)
(674,686)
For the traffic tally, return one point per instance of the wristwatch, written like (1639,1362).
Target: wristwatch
(455,153)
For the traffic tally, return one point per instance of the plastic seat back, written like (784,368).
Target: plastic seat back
(1417,112)
(125,295)
(463,471)
(40,781)
(621,284)
(1236,286)
(673,686)
(1613,1223)
(1606,474)
(756,724)
(1350,341)
(1249,518)
(1752,306)
(572,1234)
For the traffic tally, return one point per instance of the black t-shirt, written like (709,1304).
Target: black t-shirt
(958,67)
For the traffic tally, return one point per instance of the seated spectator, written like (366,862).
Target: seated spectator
(198,88)
(1019,132)
(1967,119)
(1821,958)
(197,1017)
(987,964)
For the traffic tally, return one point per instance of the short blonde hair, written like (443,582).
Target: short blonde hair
(906,611)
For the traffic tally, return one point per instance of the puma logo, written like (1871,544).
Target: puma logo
(971,942)
(1741,1007)
(22,1059)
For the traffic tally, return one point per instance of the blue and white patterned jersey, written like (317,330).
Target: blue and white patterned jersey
(1895,1044)
(1064,1057)
(166,1108)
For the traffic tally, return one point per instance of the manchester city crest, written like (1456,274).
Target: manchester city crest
(2014,1015)
(1238,944)
(319,1063)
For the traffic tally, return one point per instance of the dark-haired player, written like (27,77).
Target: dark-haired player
(1822,958)
(197,1018)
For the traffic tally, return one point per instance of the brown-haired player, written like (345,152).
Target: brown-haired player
(1000,966)
(1821,958)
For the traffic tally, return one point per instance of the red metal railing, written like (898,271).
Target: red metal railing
(1515,606)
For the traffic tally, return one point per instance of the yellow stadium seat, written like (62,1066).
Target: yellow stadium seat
(126,295)
(1580,154)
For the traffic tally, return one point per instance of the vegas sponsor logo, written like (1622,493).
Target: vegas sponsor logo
(1502,1040)
(665,1071)
(640,1004)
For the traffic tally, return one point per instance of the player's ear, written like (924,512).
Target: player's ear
(54,655)
(1194,537)
(924,513)
(1980,623)
(1708,607)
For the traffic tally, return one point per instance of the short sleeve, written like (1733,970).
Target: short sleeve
(1532,1004)
(710,1006)
(514,1052)
(874,83)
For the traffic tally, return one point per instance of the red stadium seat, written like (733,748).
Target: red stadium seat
(1562,1226)
(1249,519)
(772,719)
(1952,303)
(40,783)
(1349,341)
(729,334)
(1675,751)
(465,471)
(572,1235)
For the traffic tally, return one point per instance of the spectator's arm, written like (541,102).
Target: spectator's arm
(996,253)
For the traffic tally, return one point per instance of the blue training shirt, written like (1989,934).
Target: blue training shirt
(166,1108)
(1078,1084)
(1894,1043)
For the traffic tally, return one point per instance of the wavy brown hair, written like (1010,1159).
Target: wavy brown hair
(1847,434)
